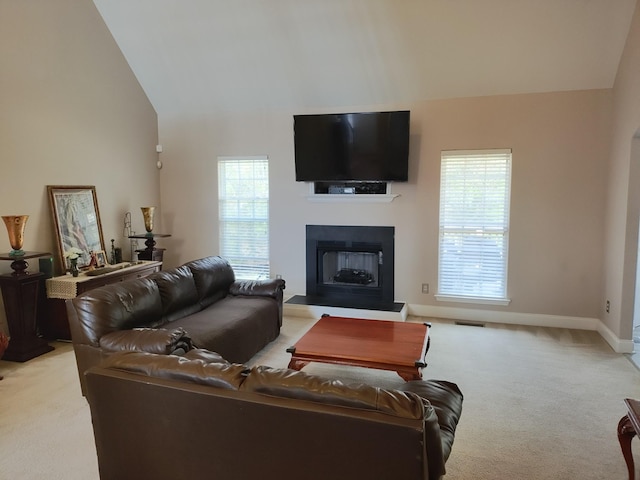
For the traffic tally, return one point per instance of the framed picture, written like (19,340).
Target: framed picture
(76,219)
(101,258)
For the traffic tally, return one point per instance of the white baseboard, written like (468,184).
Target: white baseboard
(471,315)
(494,316)
(530,319)
(618,345)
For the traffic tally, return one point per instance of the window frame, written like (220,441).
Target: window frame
(244,266)
(460,225)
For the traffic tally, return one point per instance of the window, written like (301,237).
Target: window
(475,189)
(243,211)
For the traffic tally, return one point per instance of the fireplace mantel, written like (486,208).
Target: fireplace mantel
(362,197)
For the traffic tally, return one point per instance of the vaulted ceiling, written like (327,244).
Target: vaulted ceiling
(199,56)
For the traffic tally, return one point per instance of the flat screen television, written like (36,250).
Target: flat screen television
(371,146)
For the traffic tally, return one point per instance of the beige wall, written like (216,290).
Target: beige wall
(559,143)
(71,113)
(623,200)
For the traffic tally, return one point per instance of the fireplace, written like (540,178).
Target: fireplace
(350,266)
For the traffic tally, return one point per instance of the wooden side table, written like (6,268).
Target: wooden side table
(20,297)
(628,427)
(151,252)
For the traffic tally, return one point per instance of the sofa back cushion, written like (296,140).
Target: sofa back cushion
(213,276)
(299,385)
(177,292)
(214,372)
(121,306)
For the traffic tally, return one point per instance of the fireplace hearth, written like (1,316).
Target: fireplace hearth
(350,266)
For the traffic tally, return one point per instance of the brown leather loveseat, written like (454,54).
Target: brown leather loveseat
(199,416)
(197,304)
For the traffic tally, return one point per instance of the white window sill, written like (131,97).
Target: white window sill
(476,300)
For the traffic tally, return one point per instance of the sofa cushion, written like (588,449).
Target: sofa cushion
(300,385)
(212,276)
(122,306)
(200,371)
(177,291)
(234,327)
(150,340)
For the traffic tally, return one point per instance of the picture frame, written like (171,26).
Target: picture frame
(76,219)
(101,258)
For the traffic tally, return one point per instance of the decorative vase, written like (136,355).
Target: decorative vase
(15,226)
(74,267)
(147,214)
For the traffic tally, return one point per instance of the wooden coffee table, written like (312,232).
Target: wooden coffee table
(381,344)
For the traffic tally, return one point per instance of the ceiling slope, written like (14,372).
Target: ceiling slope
(198,56)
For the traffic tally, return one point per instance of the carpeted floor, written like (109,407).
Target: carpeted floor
(539,404)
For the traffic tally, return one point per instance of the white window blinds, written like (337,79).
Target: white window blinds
(243,210)
(475,189)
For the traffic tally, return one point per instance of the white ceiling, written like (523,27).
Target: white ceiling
(200,56)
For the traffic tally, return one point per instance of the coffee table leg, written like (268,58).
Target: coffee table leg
(626,433)
(297,364)
(409,376)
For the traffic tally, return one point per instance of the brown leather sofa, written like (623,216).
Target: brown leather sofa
(199,416)
(197,304)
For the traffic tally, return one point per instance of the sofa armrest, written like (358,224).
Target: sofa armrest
(264,288)
(444,404)
(150,340)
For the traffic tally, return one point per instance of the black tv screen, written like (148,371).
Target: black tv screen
(352,146)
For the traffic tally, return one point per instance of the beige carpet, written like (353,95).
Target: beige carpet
(539,404)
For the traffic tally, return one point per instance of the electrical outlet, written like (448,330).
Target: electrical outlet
(425,288)
(608,306)
(278,276)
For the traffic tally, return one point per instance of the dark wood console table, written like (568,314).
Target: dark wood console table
(65,287)
(628,427)
(20,297)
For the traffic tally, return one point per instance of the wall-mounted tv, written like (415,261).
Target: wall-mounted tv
(372,146)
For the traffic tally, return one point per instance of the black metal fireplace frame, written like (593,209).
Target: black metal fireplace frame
(322,238)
